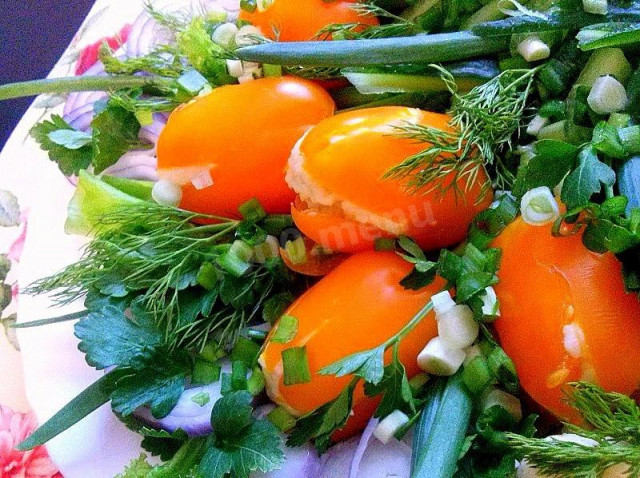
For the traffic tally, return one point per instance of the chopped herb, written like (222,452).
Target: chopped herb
(295,366)
(286,330)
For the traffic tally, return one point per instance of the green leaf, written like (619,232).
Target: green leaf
(395,389)
(70,161)
(115,131)
(604,235)
(607,35)
(158,387)
(161,442)
(323,421)
(70,138)
(553,160)
(110,338)
(138,468)
(231,414)
(606,140)
(586,180)
(473,283)
(369,365)
(257,449)
(89,400)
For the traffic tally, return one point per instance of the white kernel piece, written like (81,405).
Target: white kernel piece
(388,427)
(442,302)
(534,49)
(607,96)
(166,193)
(225,34)
(438,359)
(234,67)
(539,207)
(457,328)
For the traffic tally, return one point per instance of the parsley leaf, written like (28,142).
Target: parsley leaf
(70,161)
(159,387)
(553,160)
(70,138)
(240,444)
(161,442)
(587,179)
(323,421)
(110,338)
(395,389)
(115,131)
(367,364)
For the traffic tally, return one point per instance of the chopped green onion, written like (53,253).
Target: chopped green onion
(269,249)
(282,419)
(539,206)
(605,61)
(271,70)
(256,382)
(503,369)
(384,244)
(476,375)
(252,211)
(417,383)
(457,328)
(286,330)
(619,120)
(239,371)
(297,251)
(597,7)
(233,264)
(201,398)
(241,249)
(211,352)
(630,138)
(245,351)
(554,109)
(536,124)
(207,276)
(607,95)
(554,131)
(295,366)
(249,6)
(192,82)
(275,306)
(533,49)
(389,425)
(438,359)
(224,34)
(166,193)
(496,397)
(274,224)
(205,372)
(144,117)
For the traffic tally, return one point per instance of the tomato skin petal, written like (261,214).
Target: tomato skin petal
(243,134)
(301,20)
(547,284)
(356,307)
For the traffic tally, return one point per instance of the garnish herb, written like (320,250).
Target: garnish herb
(295,366)
(614,423)
(484,122)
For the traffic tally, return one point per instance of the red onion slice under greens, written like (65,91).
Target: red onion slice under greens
(362,447)
(137,164)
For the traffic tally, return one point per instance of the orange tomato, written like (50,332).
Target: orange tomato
(565,316)
(301,20)
(344,201)
(242,134)
(356,307)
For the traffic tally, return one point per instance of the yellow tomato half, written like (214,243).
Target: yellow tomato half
(565,316)
(357,306)
(345,203)
(242,135)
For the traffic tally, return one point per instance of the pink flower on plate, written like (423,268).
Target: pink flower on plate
(15,427)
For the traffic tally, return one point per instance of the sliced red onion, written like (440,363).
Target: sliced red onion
(80,98)
(362,447)
(145,34)
(137,164)
(150,133)
(81,117)
(300,462)
(187,414)
(377,461)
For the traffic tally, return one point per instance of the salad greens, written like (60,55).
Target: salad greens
(169,294)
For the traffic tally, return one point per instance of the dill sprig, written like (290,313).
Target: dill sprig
(484,121)
(614,423)
(156,252)
(397,26)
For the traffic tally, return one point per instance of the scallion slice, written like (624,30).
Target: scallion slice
(295,366)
